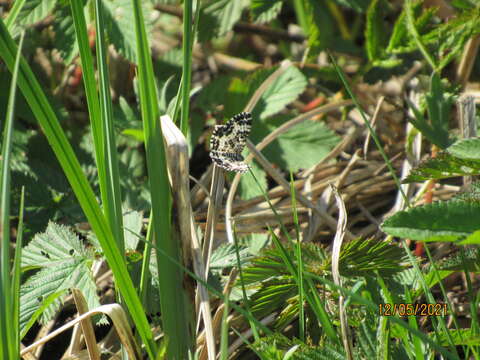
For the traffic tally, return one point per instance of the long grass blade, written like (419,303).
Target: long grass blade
(9,302)
(111,196)
(175,316)
(43,112)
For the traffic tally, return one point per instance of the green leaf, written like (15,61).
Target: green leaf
(64,262)
(120,25)
(443,166)
(321,25)
(357,5)
(225,256)
(35,10)
(286,88)
(438,104)
(468,149)
(65,39)
(248,187)
(132,224)
(375,30)
(218,17)
(264,11)
(300,147)
(439,221)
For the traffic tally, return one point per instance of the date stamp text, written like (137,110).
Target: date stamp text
(405,309)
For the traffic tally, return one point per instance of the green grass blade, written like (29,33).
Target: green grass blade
(91,93)
(43,112)
(187,64)
(13,14)
(246,301)
(224,332)
(175,316)
(111,196)
(8,321)
(17,269)
(301,294)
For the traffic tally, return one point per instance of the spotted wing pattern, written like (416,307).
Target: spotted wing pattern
(227,142)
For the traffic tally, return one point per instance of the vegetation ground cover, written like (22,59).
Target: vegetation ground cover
(354,233)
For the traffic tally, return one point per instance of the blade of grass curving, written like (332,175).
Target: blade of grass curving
(370,129)
(301,294)
(9,347)
(17,269)
(111,196)
(175,317)
(45,115)
(13,13)
(337,244)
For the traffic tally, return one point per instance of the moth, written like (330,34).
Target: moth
(228,140)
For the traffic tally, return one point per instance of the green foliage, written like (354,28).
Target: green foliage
(65,40)
(217,17)
(443,166)
(301,147)
(119,18)
(459,159)
(466,149)
(320,25)
(375,37)
(438,103)
(440,42)
(35,10)
(275,288)
(264,11)
(64,262)
(439,221)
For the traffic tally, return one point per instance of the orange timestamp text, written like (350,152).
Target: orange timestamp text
(406,309)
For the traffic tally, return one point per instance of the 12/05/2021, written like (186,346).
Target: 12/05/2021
(406,309)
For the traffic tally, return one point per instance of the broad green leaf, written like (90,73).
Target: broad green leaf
(65,39)
(281,92)
(264,11)
(218,17)
(438,104)
(248,187)
(301,147)
(320,23)
(35,10)
(468,149)
(64,261)
(43,304)
(375,30)
(225,257)
(120,20)
(132,224)
(443,166)
(439,221)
